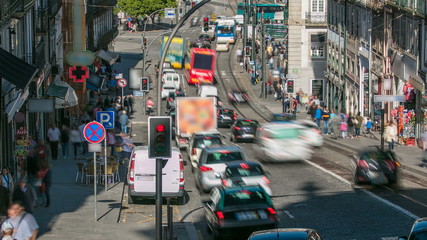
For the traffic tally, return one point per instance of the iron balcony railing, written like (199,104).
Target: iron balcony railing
(39,57)
(374,4)
(315,17)
(53,7)
(418,6)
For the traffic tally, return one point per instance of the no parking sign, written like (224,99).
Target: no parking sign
(94,132)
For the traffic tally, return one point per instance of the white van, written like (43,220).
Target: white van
(207,91)
(173,78)
(142,175)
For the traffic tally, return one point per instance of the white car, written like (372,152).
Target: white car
(166,88)
(314,134)
(173,78)
(222,47)
(199,141)
(282,142)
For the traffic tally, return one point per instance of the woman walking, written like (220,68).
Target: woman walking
(75,139)
(390,135)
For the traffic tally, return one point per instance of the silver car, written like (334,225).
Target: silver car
(212,164)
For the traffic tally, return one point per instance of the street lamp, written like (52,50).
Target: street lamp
(143,37)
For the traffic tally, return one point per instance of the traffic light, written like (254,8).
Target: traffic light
(205,24)
(247,51)
(160,137)
(145,82)
(193,4)
(144,42)
(290,86)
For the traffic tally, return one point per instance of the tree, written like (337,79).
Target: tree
(137,8)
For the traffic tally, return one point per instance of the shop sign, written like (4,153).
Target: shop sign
(389,98)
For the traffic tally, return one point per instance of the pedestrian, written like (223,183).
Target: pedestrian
(351,125)
(271,62)
(343,128)
(24,193)
(149,106)
(325,117)
(53,135)
(7,179)
(131,104)
(98,108)
(390,135)
(332,115)
(304,102)
(359,123)
(335,122)
(24,224)
(423,146)
(285,102)
(45,175)
(111,141)
(318,115)
(124,121)
(107,101)
(82,138)
(368,126)
(127,146)
(75,139)
(4,199)
(65,139)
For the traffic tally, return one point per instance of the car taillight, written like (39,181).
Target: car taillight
(205,169)
(236,128)
(362,164)
(224,182)
(219,214)
(271,210)
(169,100)
(194,152)
(181,169)
(132,169)
(234,115)
(266,180)
(217,114)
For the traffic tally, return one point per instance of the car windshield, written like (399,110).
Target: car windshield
(243,197)
(206,141)
(226,112)
(244,171)
(285,133)
(247,122)
(168,87)
(419,236)
(223,156)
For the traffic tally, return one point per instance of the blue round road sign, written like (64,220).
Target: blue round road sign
(94,132)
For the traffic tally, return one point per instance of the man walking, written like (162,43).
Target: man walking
(53,134)
(24,224)
(124,121)
(359,122)
(325,117)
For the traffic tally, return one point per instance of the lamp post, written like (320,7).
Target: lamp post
(387,87)
(143,37)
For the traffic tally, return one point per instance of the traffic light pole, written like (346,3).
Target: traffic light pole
(254,21)
(159,198)
(264,73)
(245,24)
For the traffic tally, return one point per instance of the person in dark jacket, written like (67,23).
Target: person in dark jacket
(326,115)
(25,193)
(45,175)
(4,199)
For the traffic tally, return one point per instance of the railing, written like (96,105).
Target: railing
(4,13)
(53,7)
(39,57)
(21,5)
(41,21)
(315,17)
(374,4)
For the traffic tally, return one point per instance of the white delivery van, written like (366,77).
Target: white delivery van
(172,78)
(142,175)
(207,91)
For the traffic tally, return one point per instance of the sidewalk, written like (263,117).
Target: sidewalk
(411,156)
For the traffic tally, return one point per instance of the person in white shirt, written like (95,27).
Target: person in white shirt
(75,139)
(53,134)
(23,223)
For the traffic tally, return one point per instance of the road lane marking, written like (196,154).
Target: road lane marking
(223,73)
(388,203)
(289,214)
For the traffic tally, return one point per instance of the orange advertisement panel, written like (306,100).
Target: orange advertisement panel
(195,114)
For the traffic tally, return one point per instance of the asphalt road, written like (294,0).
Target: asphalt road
(313,194)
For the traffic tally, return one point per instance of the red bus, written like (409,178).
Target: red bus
(200,65)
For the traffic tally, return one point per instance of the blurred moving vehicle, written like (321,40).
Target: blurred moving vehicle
(286,234)
(167,88)
(239,210)
(245,174)
(238,96)
(315,137)
(194,22)
(142,175)
(200,65)
(204,37)
(418,231)
(170,100)
(199,141)
(212,164)
(373,166)
(244,130)
(226,117)
(283,117)
(282,142)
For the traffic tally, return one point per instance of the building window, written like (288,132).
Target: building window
(317,5)
(317,52)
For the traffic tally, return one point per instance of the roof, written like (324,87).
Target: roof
(233,164)
(15,70)
(420,225)
(225,147)
(281,233)
(240,188)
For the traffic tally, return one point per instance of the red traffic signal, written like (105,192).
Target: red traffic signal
(193,4)
(160,128)
(290,86)
(205,19)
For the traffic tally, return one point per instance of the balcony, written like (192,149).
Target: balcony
(39,57)
(418,6)
(41,22)
(315,18)
(53,7)
(4,13)
(19,8)
(374,4)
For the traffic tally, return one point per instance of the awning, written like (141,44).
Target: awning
(107,56)
(15,71)
(57,91)
(94,82)
(69,100)
(14,106)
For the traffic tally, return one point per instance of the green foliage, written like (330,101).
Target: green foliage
(136,8)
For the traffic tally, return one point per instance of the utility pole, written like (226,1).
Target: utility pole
(254,22)
(264,75)
(245,24)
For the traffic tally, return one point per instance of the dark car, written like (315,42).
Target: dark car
(238,96)
(244,130)
(226,117)
(170,100)
(418,231)
(285,234)
(239,210)
(283,117)
(201,44)
(374,166)
(204,37)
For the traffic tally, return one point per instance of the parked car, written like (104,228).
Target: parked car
(212,164)
(238,96)
(286,234)
(226,117)
(167,88)
(374,166)
(282,142)
(233,209)
(245,174)
(199,141)
(142,172)
(244,130)
(418,231)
